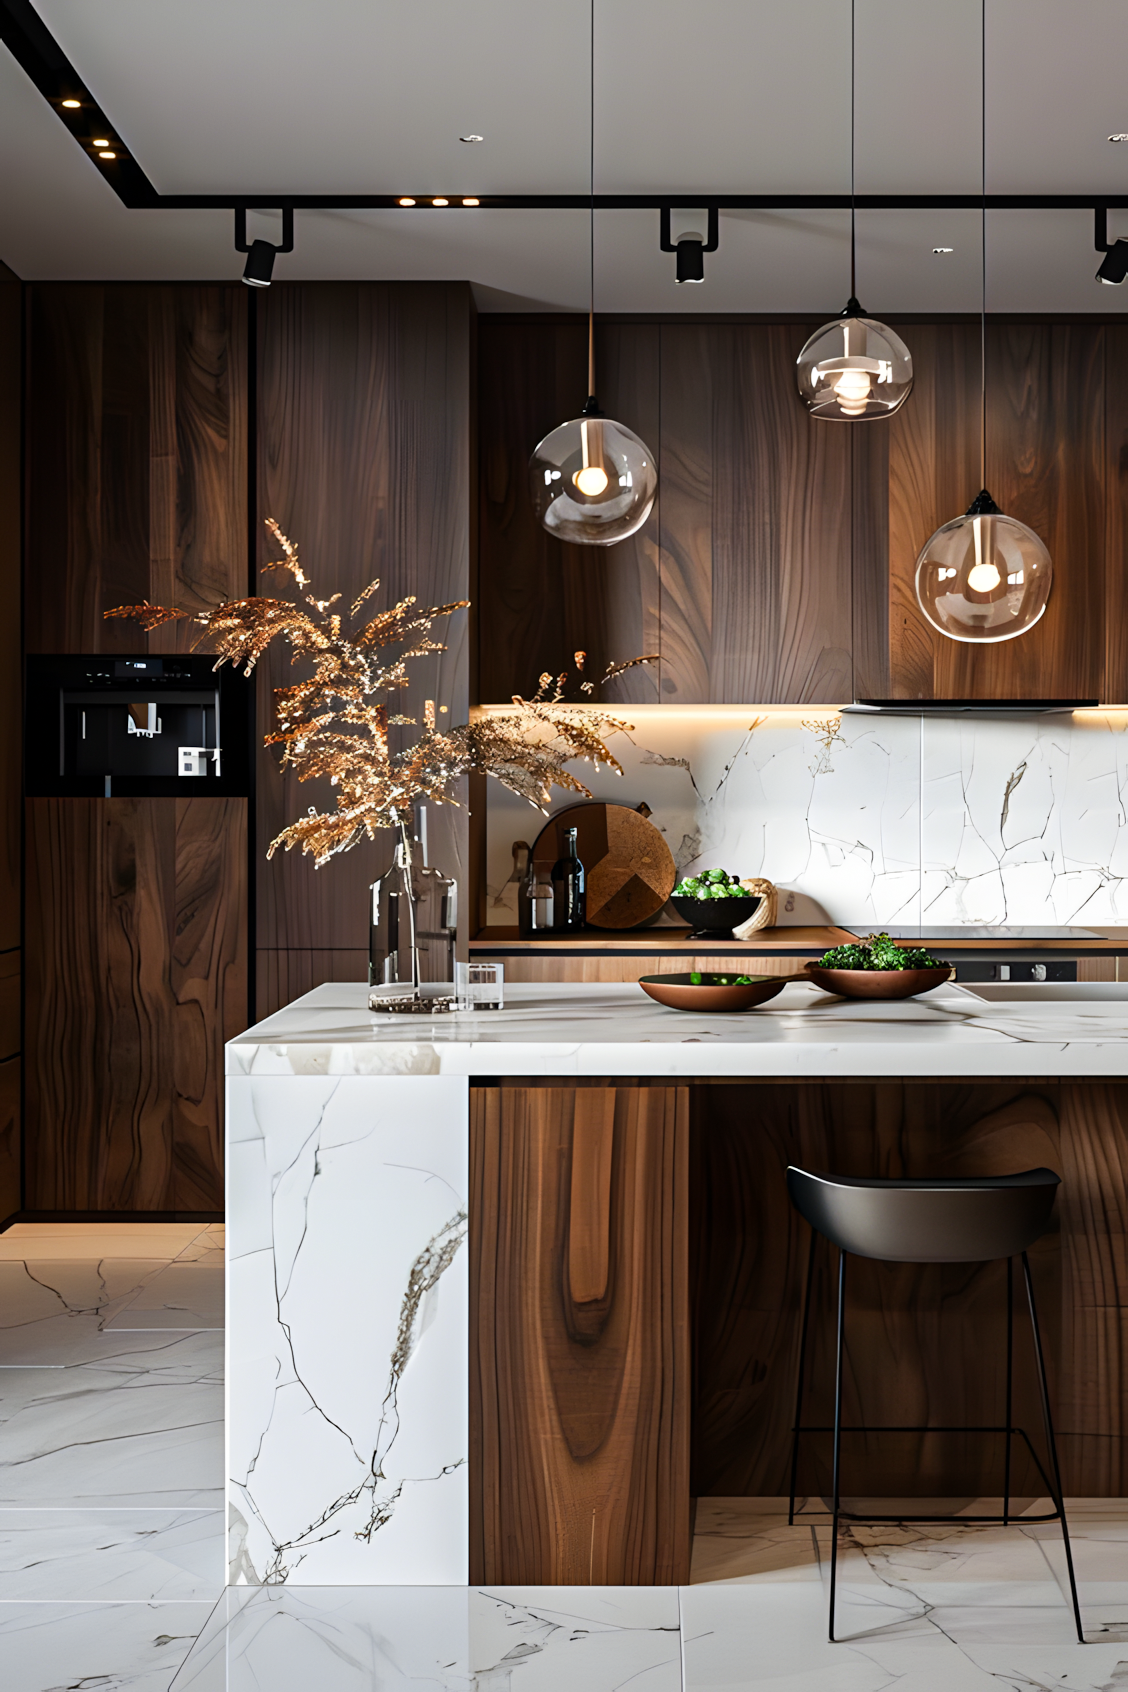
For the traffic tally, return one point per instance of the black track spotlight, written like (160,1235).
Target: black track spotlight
(690,249)
(259,268)
(1113,268)
(690,260)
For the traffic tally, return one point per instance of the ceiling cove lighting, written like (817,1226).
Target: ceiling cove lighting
(691,246)
(1113,268)
(983,577)
(854,369)
(593,481)
(258,271)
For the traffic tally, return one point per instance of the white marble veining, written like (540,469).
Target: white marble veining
(452,1639)
(588,1029)
(85,1435)
(863,819)
(110,1553)
(347,1338)
(96,1647)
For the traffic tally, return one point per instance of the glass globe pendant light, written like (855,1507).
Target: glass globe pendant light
(592,479)
(854,368)
(984,576)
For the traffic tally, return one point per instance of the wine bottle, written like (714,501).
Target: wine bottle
(569,899)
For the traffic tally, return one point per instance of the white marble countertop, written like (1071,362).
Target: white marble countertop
(576,1029)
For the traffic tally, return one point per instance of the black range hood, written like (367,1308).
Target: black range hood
(969,707)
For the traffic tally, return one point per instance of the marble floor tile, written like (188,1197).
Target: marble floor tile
(94,1436)
(95,1647)
(111,1553)
(186,1294)
(438,1639)
(34,1242)
(927,1607)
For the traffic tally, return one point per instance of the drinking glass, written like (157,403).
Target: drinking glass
(479,986)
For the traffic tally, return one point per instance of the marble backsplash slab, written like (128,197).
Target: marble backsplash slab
(866,819)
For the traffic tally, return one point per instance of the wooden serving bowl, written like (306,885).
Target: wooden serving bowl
(878,983)
(679,992)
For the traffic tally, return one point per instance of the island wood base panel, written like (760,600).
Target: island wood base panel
(606,1218)
(579,1359)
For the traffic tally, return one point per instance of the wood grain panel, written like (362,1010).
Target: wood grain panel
(925,1341)
(9,1003)
(283,977)
(10,1194)
(1115,479)
(539,599)
(364,459)
(136,926)
(756,522)
(10,665)
(580,1357)
(1045,466)
(136,457)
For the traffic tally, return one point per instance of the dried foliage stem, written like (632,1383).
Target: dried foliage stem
(335,722)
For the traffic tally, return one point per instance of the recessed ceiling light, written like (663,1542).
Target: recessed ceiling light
(1118,137)
(103,154)
(72,105)
(101,141)
(943,249)
(407,201)
(440,202)
(471,202)
(469,138)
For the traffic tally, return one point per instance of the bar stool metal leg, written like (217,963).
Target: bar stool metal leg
(837,1436)
(799,1386)
(1059,1500)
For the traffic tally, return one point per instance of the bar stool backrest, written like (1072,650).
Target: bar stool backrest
(935,1221)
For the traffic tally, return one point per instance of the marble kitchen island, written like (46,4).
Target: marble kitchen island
(467,1254)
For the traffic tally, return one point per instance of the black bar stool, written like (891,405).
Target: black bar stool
(945,1221)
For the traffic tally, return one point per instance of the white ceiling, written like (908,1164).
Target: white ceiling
(286,96)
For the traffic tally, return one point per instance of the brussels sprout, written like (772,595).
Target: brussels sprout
(716,875)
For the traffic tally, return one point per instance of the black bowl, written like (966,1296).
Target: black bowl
(715,919)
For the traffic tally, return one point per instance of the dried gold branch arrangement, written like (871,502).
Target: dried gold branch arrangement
(335,723)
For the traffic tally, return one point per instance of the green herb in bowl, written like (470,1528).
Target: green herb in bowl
(879,952)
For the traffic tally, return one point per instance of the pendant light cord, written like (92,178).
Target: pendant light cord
(591,218)
(983,245)
(853,234)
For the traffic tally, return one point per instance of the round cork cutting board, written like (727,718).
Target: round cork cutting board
(628,866)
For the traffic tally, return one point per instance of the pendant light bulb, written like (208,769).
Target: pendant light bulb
(592,477)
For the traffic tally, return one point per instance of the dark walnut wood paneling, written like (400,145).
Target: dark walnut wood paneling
(364,459)
(787,547)
(136,458)
(540,600)
(10,746)
(755,523)
(137,975)
(925,1342)
(579,1370)
(1046,465)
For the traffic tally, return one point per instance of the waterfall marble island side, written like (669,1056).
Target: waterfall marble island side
(459,1306)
